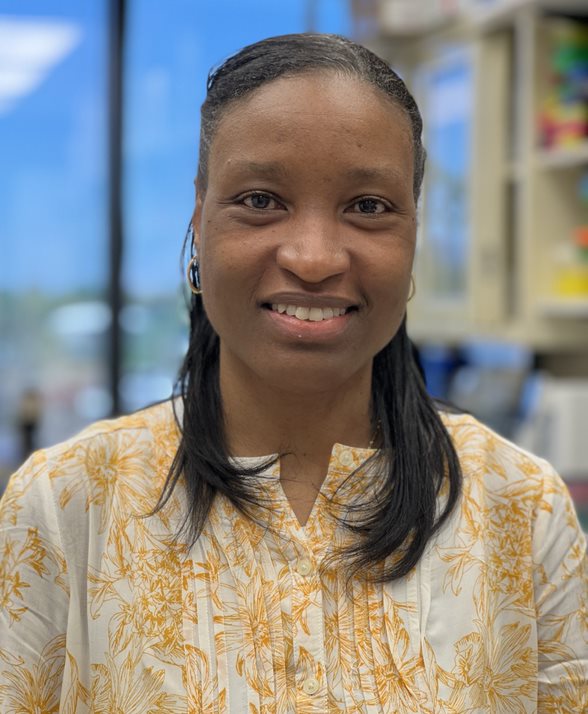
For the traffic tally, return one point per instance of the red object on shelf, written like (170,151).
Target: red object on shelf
(581,236)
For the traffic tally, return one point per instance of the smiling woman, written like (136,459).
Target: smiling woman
(302,529)
(289,218)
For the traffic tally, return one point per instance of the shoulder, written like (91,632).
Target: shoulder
(486,455)
(506,485)
(117,443)
(150,424)
(124,459)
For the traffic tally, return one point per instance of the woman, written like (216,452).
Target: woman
(311,533)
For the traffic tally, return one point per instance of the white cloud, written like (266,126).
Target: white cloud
(29,49)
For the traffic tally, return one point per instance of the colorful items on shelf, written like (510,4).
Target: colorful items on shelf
(581,240)
(571,275)
(563,119)
(581,232)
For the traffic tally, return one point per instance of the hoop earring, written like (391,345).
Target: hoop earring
(412,289)
(193,275)
(193,269)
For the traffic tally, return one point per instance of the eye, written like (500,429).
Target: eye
(369,206)
(261,201)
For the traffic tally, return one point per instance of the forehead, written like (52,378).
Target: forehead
(332,116)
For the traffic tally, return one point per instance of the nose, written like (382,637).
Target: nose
(313,249)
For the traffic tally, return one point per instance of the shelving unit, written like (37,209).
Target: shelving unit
(522,200)
(563,158)
(563,308)
(488,16)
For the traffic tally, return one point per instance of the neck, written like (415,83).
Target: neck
(263,418)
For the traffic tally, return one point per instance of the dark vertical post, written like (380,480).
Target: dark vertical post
(115,220)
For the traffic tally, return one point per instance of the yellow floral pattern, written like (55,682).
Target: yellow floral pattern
(103,610)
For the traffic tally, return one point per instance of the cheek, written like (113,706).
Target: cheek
(388,289)
(215,278)
(388,315)
(390,271)
(227,281)
(219,262)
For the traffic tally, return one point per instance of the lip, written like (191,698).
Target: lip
(309,300)
(307,331)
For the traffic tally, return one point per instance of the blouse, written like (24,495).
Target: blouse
(104,609)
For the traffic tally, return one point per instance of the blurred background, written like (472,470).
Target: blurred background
(99,123)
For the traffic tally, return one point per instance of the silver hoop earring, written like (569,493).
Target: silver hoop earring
(193,269)
(193,275)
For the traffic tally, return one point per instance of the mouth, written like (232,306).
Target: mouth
(309,313)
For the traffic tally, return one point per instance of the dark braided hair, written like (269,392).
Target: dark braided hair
(417,457)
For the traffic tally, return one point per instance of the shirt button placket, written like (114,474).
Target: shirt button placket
(308,681)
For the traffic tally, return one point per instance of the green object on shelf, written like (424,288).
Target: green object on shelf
(583,188)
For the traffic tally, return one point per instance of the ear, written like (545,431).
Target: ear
(197,219)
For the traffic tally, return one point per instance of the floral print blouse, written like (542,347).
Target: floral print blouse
(103,610)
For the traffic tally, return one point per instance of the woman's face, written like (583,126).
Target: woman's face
(306,231)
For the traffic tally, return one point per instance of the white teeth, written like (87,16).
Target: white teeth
(314,314)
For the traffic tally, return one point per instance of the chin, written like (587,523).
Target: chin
(307,374)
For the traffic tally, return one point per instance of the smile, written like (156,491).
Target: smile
(312,314)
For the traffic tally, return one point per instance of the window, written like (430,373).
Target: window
(446,94)
(53,233)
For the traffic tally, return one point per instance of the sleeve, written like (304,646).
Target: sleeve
(561,594)
(34,593)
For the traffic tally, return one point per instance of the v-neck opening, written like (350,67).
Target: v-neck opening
(343,462)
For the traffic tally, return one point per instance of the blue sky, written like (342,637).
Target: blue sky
(53,170)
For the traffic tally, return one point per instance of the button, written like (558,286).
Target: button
(311,686)
(304,567)
(346,457)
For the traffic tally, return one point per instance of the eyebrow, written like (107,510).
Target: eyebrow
(360,173)
(274,170)
(269,169)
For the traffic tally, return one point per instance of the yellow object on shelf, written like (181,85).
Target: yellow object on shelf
(571,281)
